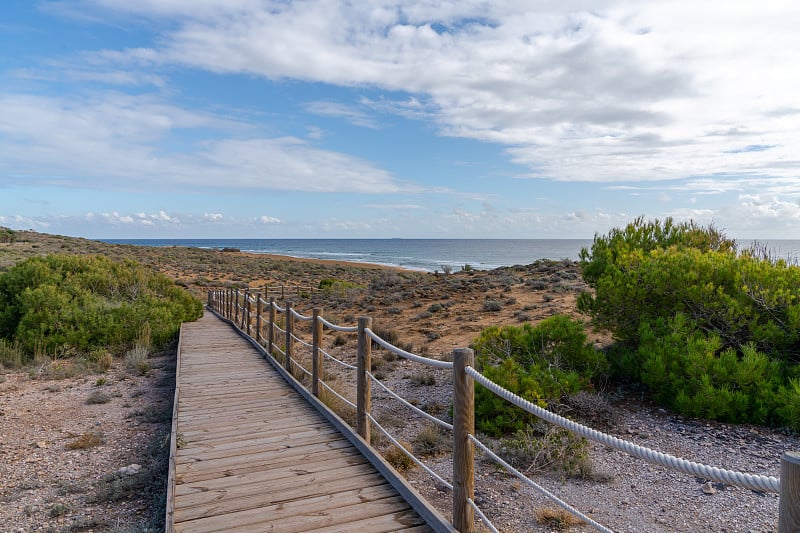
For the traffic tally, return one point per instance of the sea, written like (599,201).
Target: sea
(423,254)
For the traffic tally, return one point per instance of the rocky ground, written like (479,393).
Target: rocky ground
(47,410)
(85,451)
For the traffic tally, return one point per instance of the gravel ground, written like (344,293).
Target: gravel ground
(83,451)
(621,492)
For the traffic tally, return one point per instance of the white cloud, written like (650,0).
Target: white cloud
(112,142)
(393,206)
(268,220)
(348,112)
(213,216)
(644,91)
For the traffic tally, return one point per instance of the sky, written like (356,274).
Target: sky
(415,119)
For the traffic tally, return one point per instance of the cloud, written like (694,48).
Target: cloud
(114,142)
(624,92)
(268,220)
(393,206)
(213,216)
(347,112)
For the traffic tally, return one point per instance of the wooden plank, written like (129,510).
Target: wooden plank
(204,453)
(199,471)
(303,515)
(255,456)
(402,521)
(222,501)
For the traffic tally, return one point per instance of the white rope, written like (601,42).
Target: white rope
(408,355)
(345,400)
(301,341)
(408,454)
(275,347)
(276,326)
(278,308)
(414,408)
(729,477)
(564,505)
(301,317)
(332,358)
(301,367)
(334,327)
(482,516)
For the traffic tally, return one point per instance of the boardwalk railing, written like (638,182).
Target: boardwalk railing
(261,319)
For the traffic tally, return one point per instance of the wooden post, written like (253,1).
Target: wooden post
(271,332)
(236,308)
(363,383)
(287,364)
(789,504)
(282,295)
(316,355)
(246,312)
(258,319)
(227,312)
(463,447)
(210,302)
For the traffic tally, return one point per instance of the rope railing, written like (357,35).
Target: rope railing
(301,317)
(338,361)
(397,444)
(227,303)
(729,477)
(337,395)
(341,329)
(411,406)
(525,479)
(407,355)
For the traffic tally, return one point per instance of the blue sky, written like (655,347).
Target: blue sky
(271,119)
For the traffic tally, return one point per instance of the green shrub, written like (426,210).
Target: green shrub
(711,332)
(649,272)
(62,304)
(687,370)
(541,364)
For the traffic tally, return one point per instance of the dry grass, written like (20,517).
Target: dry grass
(98,397)
(398,458)
(557,519)
(85,441)
(136,360)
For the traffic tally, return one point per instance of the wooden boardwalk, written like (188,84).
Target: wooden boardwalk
(250,454)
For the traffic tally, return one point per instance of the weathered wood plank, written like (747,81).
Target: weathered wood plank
(255,456)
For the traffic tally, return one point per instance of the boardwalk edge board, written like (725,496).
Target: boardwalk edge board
(433,518)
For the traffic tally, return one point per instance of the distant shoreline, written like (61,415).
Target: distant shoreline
(424,255)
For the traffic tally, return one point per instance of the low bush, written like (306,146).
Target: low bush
(64,305)
(541,364)
(712,332)
(539,447)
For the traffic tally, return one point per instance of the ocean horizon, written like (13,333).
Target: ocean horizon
(422,254)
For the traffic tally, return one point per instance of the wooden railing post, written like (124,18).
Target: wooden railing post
(258,319)
(227,312)
(271,332)
(463,447)
(246,314)
(789,504)
(316,355)
(288,348)
(236,307)
(363,383)
(210,302)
